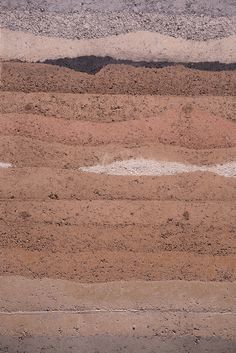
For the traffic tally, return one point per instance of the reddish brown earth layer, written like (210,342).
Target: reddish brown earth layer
(174,235)
(111,108)
(117,79)
(103,266)
(64,184)
(120,212)
(61,223)
(117,234)
(24,152)
(186,127)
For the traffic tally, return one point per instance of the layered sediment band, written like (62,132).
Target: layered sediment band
(187,128)
(61,295)
(117,176)
(93,64)
(21,184)
(117,79)
(137,46)
(111,108)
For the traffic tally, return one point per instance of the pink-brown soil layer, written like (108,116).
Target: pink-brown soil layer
(58,222)
(111,108)
(103,266)
(64,184)
(117,240)
(27,152)
(185,127)
(117,79)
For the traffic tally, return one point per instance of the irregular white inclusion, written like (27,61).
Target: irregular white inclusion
(152,167)
(5,165)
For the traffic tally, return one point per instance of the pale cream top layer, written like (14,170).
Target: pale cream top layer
(136,46)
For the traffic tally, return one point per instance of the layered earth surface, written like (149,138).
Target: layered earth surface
(117,176)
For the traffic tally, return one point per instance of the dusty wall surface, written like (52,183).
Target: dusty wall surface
(117,176)
(199,7)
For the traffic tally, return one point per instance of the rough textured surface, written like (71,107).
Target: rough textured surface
(117,79)
(149,324)
(47,256)
(103,266)
(27,152)
(115,344)
(103,263)
(199,7)
(186,127)
(77,24)
(22,184)
(111,108)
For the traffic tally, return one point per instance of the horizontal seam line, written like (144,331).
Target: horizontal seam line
(113,311)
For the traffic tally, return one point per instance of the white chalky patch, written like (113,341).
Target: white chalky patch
(5,165)
(151,167)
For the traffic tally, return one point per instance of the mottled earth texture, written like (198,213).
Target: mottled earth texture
(117,176)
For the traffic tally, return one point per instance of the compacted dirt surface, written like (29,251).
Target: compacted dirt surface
(118,184)
(154,255)
(117,79)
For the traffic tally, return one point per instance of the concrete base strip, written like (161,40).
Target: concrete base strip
(20,294)
(120,323)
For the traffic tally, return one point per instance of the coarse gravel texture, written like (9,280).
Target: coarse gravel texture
(92,24)
(197,7)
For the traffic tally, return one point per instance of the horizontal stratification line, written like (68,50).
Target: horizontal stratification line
(93,64)
(141,199)
(48,200)
(104,311)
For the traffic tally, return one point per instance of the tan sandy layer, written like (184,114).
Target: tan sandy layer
(120,212)
(118,324)
(176,234)
(137,46)
(118,226)
(186,127)
(106,266)
(110,108)
(23,294)
(47,183)
(118,79)
(27,152)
